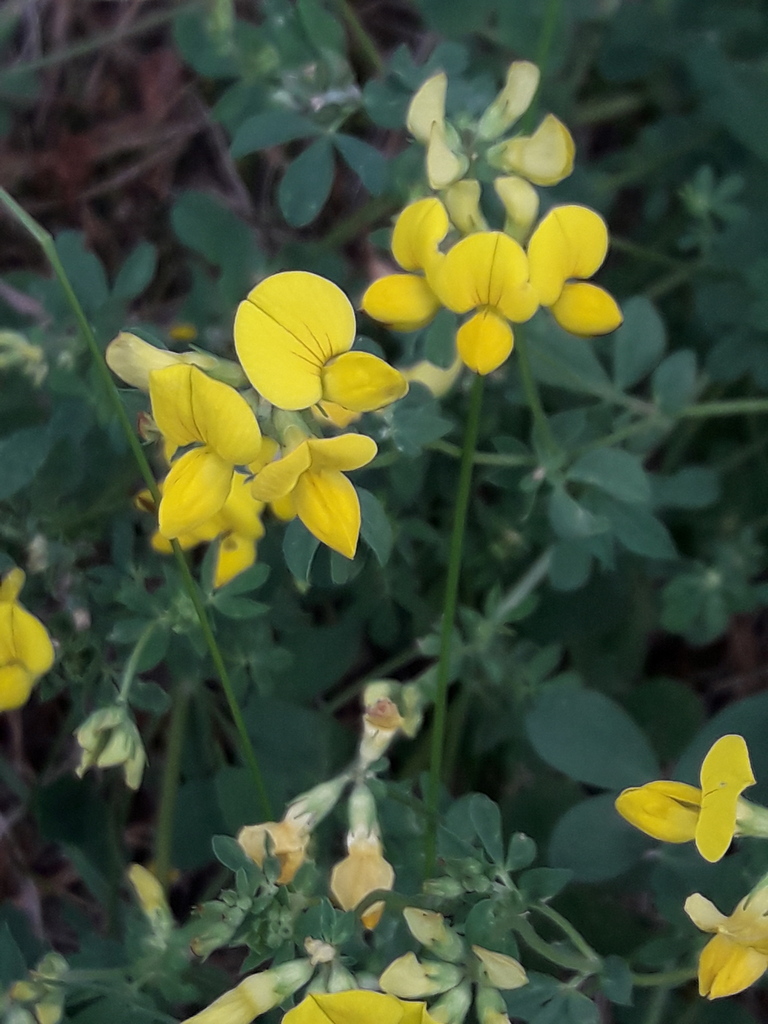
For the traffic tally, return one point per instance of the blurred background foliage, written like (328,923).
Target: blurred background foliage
(611,621)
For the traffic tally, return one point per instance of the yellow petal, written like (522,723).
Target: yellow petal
(665,810)
(521,204)
(15,686)
(236,554)
(544,158)
(586,309)
(352,1007)
(12,585)
(345,452)
(362,382)
(725,774)
(280,477)
(436,379)
(288,843)
(31,642)
(194,490)
(362,872)
(484,342)
(284,508)
(704,913)
(513,100)
(287,329)
(427,107)
(484,269)
(444,166)
(571,241)
(725,967)
(327,504)
(331,414)
(132,359)
(404,302)
(462,200)
(242,512)
(419,230)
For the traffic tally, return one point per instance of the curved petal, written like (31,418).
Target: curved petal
(280,477)
(32,644)
(725,967)
(15,686)
(725,773)
(361,872)
(513,100)
(194,490)
(665,810)
(286,330)
(571,241)
(331,414)
(351,1007)
(327,504)
(344,453)
(521,203)
(418,231)
(704,913)
(236,554)
(544,158)
(362,382)
(462,200)
(585,309)
(12,585)
(427,107)
(481,270)
(170,392)
(444,166)
(404,302)
(241,512)
(484,342)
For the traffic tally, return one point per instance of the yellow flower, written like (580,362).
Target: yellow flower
(26,651)
(486,272)
(544,158)
(312,473)
(293,334)
(407,302)
(357,1007)
(426,122)
(255,994)
(289,841)
(513,100)
(192,409)
(712,815)
(571,242)
(738,954)
(361,872)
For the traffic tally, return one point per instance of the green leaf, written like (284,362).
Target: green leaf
(238,607)
(323,31)
(674,381)
(13,967)
(670,712)
(375,527)
(416,421)
(22,454)
(306,184)
(614,471)
(570,565)
(595,842)
(368,163)
(691,487)
(487,925)
(299,548)
(521,852)
(231,854)
(695,605)
(635,527)
(148,696)
(616,980)
(589,737)
(137,271)
(639,343)
(563,361)
(571,520)
(271,128)
(486,819)
(543,883)
(84,270)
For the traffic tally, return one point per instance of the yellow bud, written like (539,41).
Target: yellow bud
(430,929)
(513,100)
(434,378)
(454,1006)
(410,978)
(109,738)
(133,359)
(149,892)
(500,970)
(288,842)
(255,995)
(544,158)
(489,1006)
(427,107)
(361,872)
(445,163)
(521,203)
(462,200)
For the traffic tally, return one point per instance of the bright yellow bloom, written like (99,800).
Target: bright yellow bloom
(407,302)
(571,242)
(26,651)
(712,815)
(486,272)
(357,1007)
(324,499)
(738,954)
(293,334)
(361,872)
(255,994)
(289,840)
(544,158)
(192,409)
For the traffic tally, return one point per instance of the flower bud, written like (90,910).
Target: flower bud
(462,200)
(340,979)
(311,807)
(319,952)
(512,102)
(500,970)
(410,978)
(132,359)
(445,161)
(108,738)
(545,158)
(381,722)
(255,994)
(429,928)
(439,381)
(149,892)
(521,203)
(361,872)
(288,841)
(427,107)
(454,1006)
(489,1006)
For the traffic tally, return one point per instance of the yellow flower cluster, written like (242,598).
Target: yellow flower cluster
(26,651)
(711,816)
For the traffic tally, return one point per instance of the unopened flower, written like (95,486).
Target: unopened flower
(361,872)
(737,956)
(500,970)
(411,978)
(26,651)
(109,738)
(446,162)
(453,1006)
(436,379)
(357,1007)
(132,359)
(285,840)
(512,102)
(255,994)
(521,204)
(432,930)
(462,201)
(293,336)
(544,158)
(570,243)
(712,815)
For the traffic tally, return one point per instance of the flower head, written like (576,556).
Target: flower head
(361,872)
(711,815)
(26,651)
(293,336)
(109,738)
(571,242)
(738,954)
(357,1007)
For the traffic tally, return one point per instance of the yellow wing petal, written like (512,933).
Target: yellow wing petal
(571,241)
(236,554)
(725,773)
(585,309)
(665,810)
(15,686)
(281,476)
(403,301)
(362,382)
(484,342)
(194,490)
(327,504)
(170,391)
(418,231)
(286,330)
(725,967)
(353,1007)
(344,453)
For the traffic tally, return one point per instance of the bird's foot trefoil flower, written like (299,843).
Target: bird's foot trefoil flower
(357,1007)
(26,651)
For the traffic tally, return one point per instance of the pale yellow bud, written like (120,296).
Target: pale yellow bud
(439,381)
(149,893)
(288,843)
(462,200)
(427,107)
(255,995)
(319,952)
(409,978)
(132,359)
(454,1006)
(544,158)
(430,929)
(500,970)
(444,164)
(521,203)
(490,1007)
(309,808)
(109,738)
(340,979)
(513,100)
(361,872)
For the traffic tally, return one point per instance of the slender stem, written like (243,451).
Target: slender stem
(170,783)
(524,586)
(46,243)
(471,430)
(482,458)
(365,45)
(585,965)
(665,979)
(728,407)
(541,427)
(129,672)
(565,926)
(657,1004)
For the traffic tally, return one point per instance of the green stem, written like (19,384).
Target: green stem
(471,431)
(129,672)
(524,586)
(365,45)
(170,782)
(577,939)
(585,965)
(46,243)
(728,407)
(482,458)
(541,428)
(664,979)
